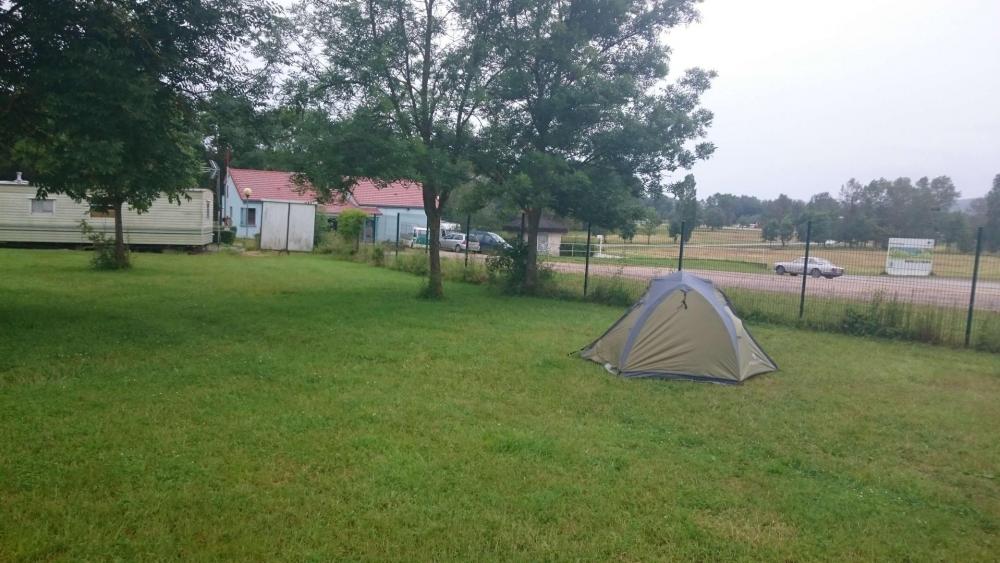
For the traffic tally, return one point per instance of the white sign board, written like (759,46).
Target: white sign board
(909,257)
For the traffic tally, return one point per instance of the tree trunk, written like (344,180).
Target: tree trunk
(121,257)
(435,287)
(531,268)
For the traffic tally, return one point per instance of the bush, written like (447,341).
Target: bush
(321,226)
(227,236)
(104,250)
(509,270)
(349,224)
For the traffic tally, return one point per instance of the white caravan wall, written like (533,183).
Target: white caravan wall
(287,226)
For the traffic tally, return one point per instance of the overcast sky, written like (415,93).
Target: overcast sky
(811,93)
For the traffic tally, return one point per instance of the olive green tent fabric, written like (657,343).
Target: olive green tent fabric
(682,328)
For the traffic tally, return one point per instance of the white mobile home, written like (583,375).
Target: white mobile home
(24,218)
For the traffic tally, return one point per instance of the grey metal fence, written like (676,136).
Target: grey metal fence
(901,288)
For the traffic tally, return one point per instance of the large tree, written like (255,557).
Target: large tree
(581,123)
(98,97)
(405,80)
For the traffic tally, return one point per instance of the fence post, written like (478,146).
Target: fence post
(468,227)
(972,293)
(586,264)
(680,257)
(397,235)
(805,269)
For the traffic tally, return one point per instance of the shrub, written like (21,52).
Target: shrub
(349,224)
(321,226)
(509,270)
(104,250)
(227,236)
(335,245)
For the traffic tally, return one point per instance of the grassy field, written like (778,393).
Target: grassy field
(742,250)
(300,408)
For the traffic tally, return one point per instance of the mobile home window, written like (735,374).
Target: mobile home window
(43,206)
(102,213)
(248,216)
(208,212)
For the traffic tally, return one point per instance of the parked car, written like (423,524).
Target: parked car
(457,242)
(490,242)
(817,267)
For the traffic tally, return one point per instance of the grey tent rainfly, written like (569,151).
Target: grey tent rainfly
(682,328)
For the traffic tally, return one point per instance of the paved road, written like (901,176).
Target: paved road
(949,292)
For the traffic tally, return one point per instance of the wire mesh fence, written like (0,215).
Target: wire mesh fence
(904,288)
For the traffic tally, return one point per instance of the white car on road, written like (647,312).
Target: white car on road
(817,267)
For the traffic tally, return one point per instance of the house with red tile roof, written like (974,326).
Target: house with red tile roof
(248,189)
(399,203)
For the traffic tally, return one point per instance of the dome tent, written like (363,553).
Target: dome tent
(682,328)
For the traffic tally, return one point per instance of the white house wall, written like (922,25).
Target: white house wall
(233,207)
(186,224)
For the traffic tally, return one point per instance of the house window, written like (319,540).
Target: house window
(43,206)
(208,211)
(248,217)
(102,212)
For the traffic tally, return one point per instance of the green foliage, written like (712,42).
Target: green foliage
(714,218)
(350,223)
(227,236)
(686,209)
(104,257)
(609,292)
(509,270)
(991,228)
(99,96)
(778,230)
(321,226)
(650,223)
(409,80)
(582,121)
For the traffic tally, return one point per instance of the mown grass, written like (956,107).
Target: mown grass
(302,408)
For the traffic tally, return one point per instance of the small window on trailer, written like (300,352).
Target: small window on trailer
(43,206)
(102,212)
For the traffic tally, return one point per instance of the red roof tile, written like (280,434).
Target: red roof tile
(340,204)
(269,184)
(366,196)
(403,193)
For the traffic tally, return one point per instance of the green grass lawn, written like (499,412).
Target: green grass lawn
(300,408)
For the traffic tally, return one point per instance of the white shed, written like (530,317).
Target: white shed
(25,218)
(287,225)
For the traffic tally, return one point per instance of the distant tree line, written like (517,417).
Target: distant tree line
(859,214)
